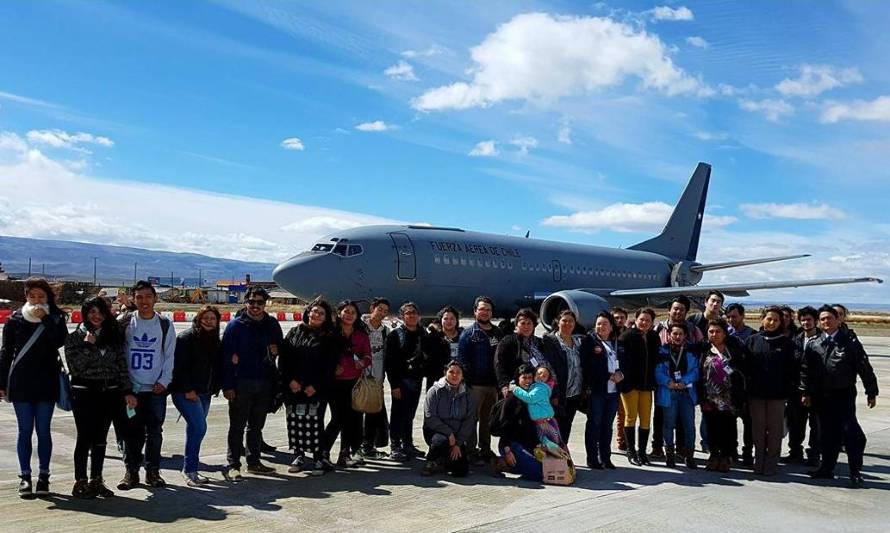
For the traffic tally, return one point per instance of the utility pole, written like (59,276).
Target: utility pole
(29,267)
(200,277)
(43,268)
(95,281)
(135,279)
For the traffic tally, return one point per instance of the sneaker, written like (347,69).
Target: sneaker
(83,490)
(260,468)
(371,453)
(431,468)
(657,453)
(345,461)
(412,451)
(130,480)
(608,464)
(314,468)
(194,479)
(153,479)
(299,464)
(399,456)
(42,488)
(324,464)
(359,460)
(856,481)
(233,474)
(97,484)
(25,490)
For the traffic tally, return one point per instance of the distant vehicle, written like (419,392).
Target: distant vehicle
(437,266)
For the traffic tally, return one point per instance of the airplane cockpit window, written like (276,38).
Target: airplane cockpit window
(322,247)
(355,249)
(340,250)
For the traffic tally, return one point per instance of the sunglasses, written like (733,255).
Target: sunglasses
(256,303)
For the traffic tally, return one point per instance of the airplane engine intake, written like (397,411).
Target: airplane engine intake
(584,304)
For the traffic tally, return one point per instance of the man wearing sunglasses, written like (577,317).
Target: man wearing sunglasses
(250,347)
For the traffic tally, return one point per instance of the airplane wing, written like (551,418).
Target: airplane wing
(737,289)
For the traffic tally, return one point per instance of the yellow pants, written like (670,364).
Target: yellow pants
(637,402)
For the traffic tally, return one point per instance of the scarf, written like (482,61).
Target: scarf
(28,312)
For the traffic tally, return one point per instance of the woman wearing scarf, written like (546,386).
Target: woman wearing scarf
(29,376)
(521,347)
(722,392)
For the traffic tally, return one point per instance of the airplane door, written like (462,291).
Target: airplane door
(557,270)
(407,268)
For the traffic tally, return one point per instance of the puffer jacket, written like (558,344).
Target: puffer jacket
(638,356)
(771,367)
(448,410)
(309,357)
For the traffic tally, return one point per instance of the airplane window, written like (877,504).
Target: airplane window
(355,249)
(340,250)
(322,247)
(503,264)
(510,266)
(446,260)
(487,263)
(437,260)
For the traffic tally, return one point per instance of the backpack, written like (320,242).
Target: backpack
(499,419)
(124,321)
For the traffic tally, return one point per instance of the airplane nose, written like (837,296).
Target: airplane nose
(298,274)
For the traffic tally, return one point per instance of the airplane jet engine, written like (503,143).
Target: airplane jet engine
(584,304)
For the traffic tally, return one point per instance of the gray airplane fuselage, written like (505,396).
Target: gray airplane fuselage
(435,267)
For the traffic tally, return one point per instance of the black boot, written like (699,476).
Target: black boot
(630,439)
(690,460)
(670,457)
(641,454)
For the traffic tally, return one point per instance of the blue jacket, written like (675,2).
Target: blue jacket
(475,352)
(250,340)
(663,376)
(537,397)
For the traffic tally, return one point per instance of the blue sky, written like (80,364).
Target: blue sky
(249,129)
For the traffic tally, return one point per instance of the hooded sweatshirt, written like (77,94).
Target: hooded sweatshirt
(449,410)
(149,354)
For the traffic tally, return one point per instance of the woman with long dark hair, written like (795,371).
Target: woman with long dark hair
(306,362)
(354,358)
(100,384)
(444,338)
(197,374)
(602,374)
(29,376)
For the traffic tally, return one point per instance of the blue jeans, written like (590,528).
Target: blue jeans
(681,407)
(29,416)
(601,410)
(401,423)
(527,466)
(195,414)
(145,429)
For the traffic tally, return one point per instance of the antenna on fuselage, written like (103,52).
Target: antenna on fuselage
(527,233)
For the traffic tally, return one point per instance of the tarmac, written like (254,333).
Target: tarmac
(386,496)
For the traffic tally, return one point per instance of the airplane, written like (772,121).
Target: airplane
(437,266)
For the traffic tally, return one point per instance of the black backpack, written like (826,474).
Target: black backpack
(499,420)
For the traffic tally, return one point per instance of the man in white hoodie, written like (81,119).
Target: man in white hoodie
(151,343)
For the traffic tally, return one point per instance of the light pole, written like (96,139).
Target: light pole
(135,279)
(95,282)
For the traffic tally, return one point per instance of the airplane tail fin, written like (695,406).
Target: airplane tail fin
(679,238)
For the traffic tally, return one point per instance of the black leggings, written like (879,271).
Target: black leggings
(93,409)
(345,421)
(721,433)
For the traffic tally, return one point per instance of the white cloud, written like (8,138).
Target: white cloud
(61,139)
(773,110)
(798,211)
(377,125)
(401,71)
(28,101)
(524,144)
(293,143)
(565,132)
(429,52)
(877,109)
(74,206)
(666,13)
(485,149)
(540,57)
(626,218)
(698,42)
(711,136)
(816,79)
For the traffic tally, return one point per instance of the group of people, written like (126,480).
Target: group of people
(477,383)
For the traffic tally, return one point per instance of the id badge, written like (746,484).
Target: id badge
(678,376)
(533,361)
(300,409)
(313,409)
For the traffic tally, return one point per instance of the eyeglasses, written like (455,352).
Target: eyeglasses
(256,303)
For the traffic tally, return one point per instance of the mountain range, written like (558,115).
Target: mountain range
(115,264)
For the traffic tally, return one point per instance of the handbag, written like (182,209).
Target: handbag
(64,401)
(367,395)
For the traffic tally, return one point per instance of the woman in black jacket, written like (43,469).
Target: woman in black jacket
(563,354)
(521,347)
(100,385)
(771,378)
(602,374)
(638,356)
(197,373)
(307,361)
(30,378)
(444,335)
